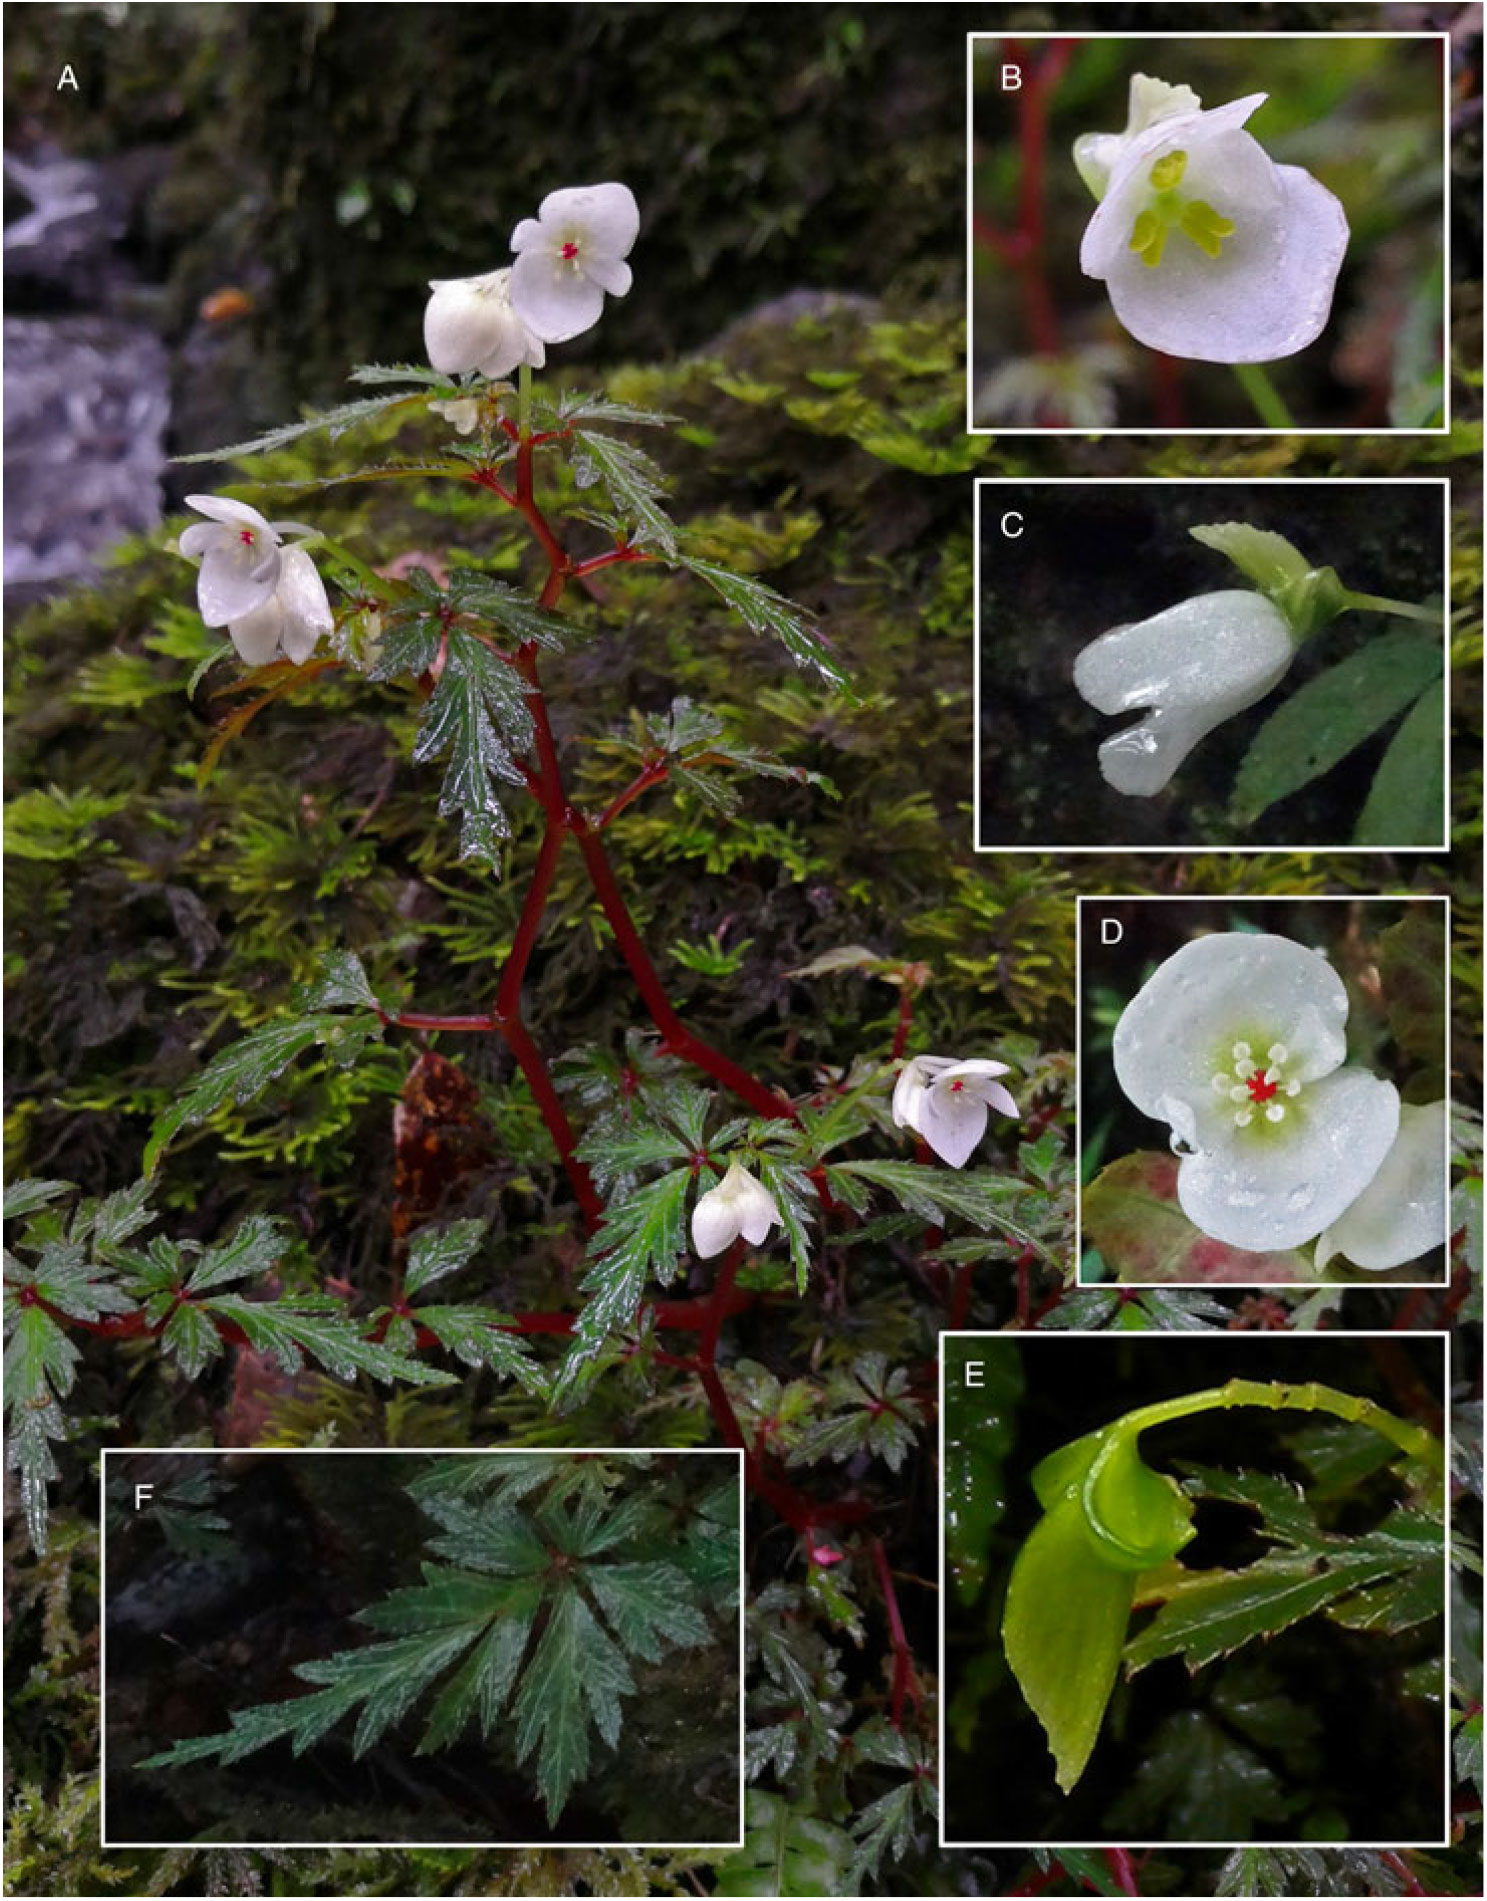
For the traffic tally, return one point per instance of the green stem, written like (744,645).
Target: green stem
(1403,610)
(1307,1398)
(1264,395)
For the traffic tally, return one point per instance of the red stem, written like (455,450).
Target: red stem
(904,1680)
(1402,1870)
(1123,1869)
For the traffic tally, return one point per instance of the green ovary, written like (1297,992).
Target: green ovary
(1167,210)
(1252,1076)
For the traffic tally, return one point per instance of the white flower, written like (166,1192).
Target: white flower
(1402,1212)
(470,324)
(947,1102)
(1077,388)
(739,1205)
(1207,247)
(570,254)
(1193,665)
(1237,1041)
(462,414)
(267,596)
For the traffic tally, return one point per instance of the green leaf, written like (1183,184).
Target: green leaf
(576,1675)
(631,480)
(515,613)
(435,1252)
(1406,804)
(190,1336)
(768,613)
(477,714)
(573,406)
(1199,1782)
(932,1194)
(336,421)
(473,1334)
(795,1199)
(650,1607)
(252,1251)
(240,1071)
(21,1198)
(1211,1613)
(1323,721)
(1130,1212)
(402,373)
(341,985)
(871,1410)
(787,1851)
(296,1328)
(642,1236)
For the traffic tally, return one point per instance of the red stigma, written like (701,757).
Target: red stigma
(245,535)
(957,1086)
(1259,1089)
(570,251)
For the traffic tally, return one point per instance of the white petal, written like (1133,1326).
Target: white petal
(466,319)
(1269,291)
(1279,1192)
(234,580)
(1230,986)
(1401,1214)
(975,1077)
(256,635)
(202,535)
(1196,664)
(913,1079)
(608,214)
(302,599)
(553,299)
(224,508)
(755,1207)
(952,1122)
(611,273)
(714,1224)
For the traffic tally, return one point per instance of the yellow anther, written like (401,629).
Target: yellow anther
(1206,227)
(1168,170)
(1149,237)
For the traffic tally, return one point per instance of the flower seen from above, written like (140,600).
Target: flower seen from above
(1238,1043)
(1401,1214)
(1208,248)
(1193,666)
(948,1102)
(570,254)
(739,1205)
(470,323)
(269,598)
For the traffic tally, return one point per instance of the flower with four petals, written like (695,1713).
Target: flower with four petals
(1237,1042)
(269,598)
(948,1102)
(570,254)
(1208,248)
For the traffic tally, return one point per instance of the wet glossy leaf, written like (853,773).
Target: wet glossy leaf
(1324,720)
(1131,1214)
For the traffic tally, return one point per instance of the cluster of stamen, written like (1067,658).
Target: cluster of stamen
(1168,210)
(1252,1085)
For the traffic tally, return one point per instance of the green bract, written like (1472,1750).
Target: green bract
(1108,1520)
